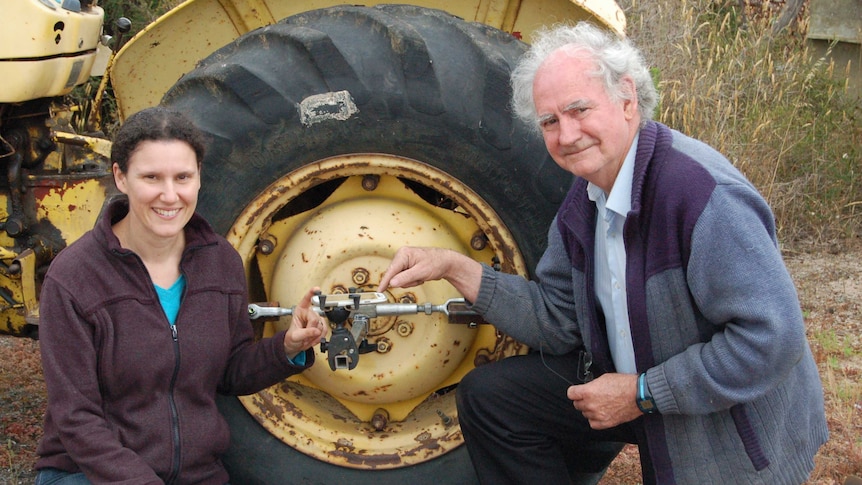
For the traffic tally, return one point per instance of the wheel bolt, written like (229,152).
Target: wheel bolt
(384,345)
(404,328)
(479,241)
(360,276)
(265,245)
(370,182)
(380,419)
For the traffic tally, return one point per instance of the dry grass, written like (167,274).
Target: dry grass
(778,113)
(831,289)
(22,405)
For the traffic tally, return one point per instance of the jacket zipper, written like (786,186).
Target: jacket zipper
(175,425)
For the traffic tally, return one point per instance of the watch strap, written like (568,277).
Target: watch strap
(644,399)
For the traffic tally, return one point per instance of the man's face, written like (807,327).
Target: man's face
(162,182)
(585,132)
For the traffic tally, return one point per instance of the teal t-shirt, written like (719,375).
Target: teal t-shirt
(170,298)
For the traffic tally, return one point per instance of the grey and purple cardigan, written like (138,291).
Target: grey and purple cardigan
(715,317)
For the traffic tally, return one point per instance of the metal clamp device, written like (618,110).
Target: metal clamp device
(349,316)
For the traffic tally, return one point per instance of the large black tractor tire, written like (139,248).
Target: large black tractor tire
(423,85)
(255,457)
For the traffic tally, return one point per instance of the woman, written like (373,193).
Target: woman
(145,318)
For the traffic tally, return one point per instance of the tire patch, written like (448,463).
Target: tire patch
(327,106)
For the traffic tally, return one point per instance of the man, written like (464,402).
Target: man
(662,279)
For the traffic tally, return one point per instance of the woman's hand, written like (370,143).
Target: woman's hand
(306,327)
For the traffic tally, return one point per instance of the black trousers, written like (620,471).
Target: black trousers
(519,426)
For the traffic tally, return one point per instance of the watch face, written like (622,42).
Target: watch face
(647,405)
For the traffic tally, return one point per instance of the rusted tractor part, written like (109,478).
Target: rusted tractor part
(338,136)
(331,415)
(52,191)
(53,180)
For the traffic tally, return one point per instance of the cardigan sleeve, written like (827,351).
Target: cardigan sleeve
(538,312)
(740,285)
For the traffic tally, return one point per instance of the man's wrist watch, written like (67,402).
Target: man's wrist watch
(644,399)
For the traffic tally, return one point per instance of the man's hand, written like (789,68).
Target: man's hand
(306,327)
(607,401)
(412,266)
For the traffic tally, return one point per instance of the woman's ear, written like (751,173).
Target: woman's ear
(119,178)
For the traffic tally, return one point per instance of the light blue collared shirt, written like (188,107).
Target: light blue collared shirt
(611,261)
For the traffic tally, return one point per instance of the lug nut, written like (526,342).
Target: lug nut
(404,328)
(265,245)
(444,418)
(384,345)
(479,241)
(360,276)
(370,182)
(380,419)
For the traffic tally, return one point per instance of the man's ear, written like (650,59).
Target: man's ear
(630,106)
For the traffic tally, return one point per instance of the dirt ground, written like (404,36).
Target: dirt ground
(830,288)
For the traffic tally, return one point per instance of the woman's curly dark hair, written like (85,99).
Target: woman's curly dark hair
(155,124)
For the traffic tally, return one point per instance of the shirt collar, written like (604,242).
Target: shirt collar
(620,198)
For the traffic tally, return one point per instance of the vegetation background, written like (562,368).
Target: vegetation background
(779,113)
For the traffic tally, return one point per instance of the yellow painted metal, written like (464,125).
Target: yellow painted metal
(71,204)
(12,312)
(348,241)
(27,260)
(68,204)
(249,15)
(357,231)
(165,50)
(45,50)
(101,146)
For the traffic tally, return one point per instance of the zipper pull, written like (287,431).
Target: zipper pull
(174,331)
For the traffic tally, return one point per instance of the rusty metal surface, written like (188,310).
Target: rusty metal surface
(67,206)
(394,408)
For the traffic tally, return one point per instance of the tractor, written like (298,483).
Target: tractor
(337,134)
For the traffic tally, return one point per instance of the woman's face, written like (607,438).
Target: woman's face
(162,182)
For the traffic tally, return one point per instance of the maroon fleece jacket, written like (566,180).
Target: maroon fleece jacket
(128,400)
